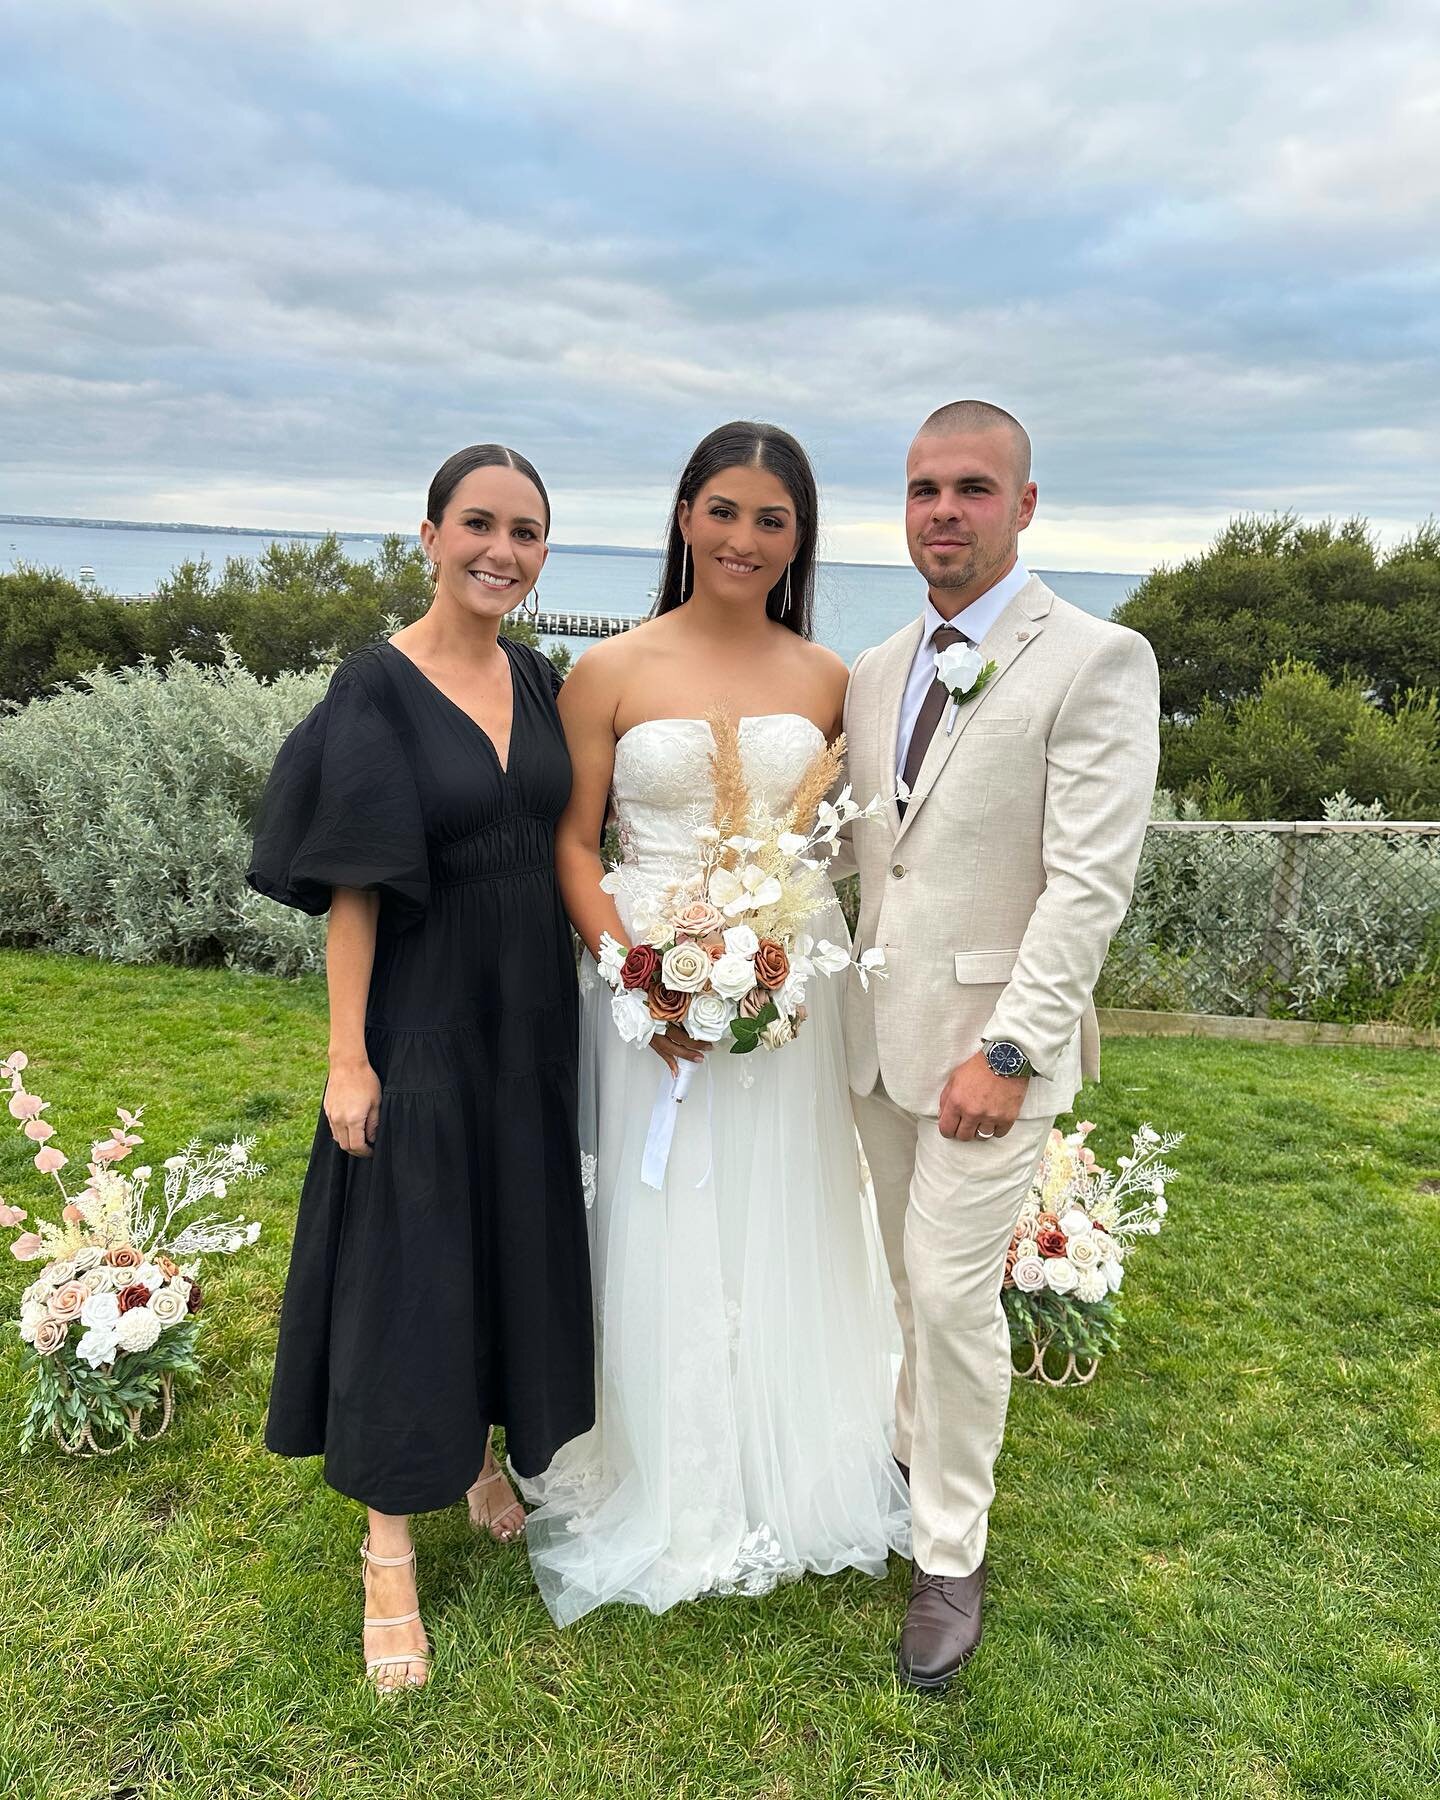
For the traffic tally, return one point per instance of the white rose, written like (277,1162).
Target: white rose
(149,1276)
(138,1329)
(60,1272)
(90,1256)
(1114,1275)
(685,968)
(732,976)
(777,1034)
(1084,1252)
(631,1014)
(1026,1248)
(709,1017)
(1060,1274)
(97,1347)
(170,1306)
(101,1312)
(959,667)
(1028,1274)
(1075,1223)
(792,995)
(740,940)
(1091,1285)
(105,1280)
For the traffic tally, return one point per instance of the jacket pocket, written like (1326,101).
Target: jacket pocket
(995,723)
(973,966)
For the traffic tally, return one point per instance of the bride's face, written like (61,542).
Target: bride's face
(490,544)
(742,531)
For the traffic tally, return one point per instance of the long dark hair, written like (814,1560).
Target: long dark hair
(465,462)
(746,444)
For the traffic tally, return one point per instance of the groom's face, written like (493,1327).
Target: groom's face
(965,507)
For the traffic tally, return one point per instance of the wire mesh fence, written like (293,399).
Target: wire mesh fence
(1322,920)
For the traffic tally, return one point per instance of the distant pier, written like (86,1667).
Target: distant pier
(585,624)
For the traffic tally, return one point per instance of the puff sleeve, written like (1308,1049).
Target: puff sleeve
(341,809)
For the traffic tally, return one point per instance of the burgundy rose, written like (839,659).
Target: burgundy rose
(194,1302)
(640,967)
(1050,1243)
(137,1294)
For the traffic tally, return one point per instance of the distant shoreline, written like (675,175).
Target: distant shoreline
(378,537)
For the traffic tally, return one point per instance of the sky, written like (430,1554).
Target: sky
(267,263)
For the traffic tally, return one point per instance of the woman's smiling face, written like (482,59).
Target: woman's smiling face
(742,532)
(489,546)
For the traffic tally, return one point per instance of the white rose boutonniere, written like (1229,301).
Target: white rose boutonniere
(965,673)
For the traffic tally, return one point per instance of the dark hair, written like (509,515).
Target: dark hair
(744,444)
(455,468)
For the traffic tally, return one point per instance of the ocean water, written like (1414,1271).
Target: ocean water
(856,604)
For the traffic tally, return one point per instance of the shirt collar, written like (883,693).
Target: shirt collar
(977,618)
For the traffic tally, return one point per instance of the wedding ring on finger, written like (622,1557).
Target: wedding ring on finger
(984,1134)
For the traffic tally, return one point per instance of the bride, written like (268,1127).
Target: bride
(743,1330)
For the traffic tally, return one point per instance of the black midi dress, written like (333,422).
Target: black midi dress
(442,1285)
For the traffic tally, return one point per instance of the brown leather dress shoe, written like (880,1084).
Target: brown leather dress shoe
(942,1626)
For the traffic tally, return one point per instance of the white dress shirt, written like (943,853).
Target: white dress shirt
(974,620)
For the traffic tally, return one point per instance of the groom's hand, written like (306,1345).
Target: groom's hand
(976,1102)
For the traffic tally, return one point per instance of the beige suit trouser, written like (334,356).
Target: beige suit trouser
(947,1213)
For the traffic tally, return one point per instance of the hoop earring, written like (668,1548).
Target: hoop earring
(684,567)
(526,606)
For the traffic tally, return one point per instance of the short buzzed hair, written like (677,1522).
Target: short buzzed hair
(980,415)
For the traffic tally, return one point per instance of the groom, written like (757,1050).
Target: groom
(993,890)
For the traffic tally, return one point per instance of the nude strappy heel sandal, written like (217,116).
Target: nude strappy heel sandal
(367,1555)
(480,1514)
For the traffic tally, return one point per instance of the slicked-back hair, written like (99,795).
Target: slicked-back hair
(979,415)
(465,462)
(748,444)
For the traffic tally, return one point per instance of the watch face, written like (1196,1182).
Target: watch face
(1005,1059)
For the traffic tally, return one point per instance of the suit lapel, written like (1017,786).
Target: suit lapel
(1007,639)
(892,676)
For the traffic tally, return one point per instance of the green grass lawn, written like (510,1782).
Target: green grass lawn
(1214,1571)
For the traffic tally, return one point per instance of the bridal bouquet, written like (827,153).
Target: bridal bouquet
(112,1318)
(723,954)
(1066,1261)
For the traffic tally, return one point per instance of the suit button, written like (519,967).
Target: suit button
(898,871)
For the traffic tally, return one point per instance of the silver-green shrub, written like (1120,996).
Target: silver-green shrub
(1343,927)
(125,809)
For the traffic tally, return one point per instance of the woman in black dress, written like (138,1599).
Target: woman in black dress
(440,1281)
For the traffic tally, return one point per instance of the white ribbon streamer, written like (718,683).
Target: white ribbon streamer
(662,1124)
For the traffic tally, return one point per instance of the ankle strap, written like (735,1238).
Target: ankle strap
(384,1562)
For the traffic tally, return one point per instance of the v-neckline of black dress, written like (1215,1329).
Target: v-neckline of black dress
(470,719)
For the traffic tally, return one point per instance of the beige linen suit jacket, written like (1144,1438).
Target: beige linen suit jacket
(995,897)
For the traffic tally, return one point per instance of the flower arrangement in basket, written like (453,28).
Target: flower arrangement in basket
(723,953)
(1066,1260)
(110,1322)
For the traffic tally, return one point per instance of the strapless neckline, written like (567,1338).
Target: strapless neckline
(746,719)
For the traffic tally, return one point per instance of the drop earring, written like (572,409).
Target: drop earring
(785,603)
(531,603)
(684,568)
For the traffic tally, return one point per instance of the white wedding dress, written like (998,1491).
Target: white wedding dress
(745,1336)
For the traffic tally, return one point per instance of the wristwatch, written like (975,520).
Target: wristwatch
(1007,1059)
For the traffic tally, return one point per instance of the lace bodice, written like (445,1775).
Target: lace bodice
(662,785)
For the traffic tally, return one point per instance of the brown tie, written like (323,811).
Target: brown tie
(930,710)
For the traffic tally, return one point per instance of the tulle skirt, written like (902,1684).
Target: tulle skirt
(746,1344)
